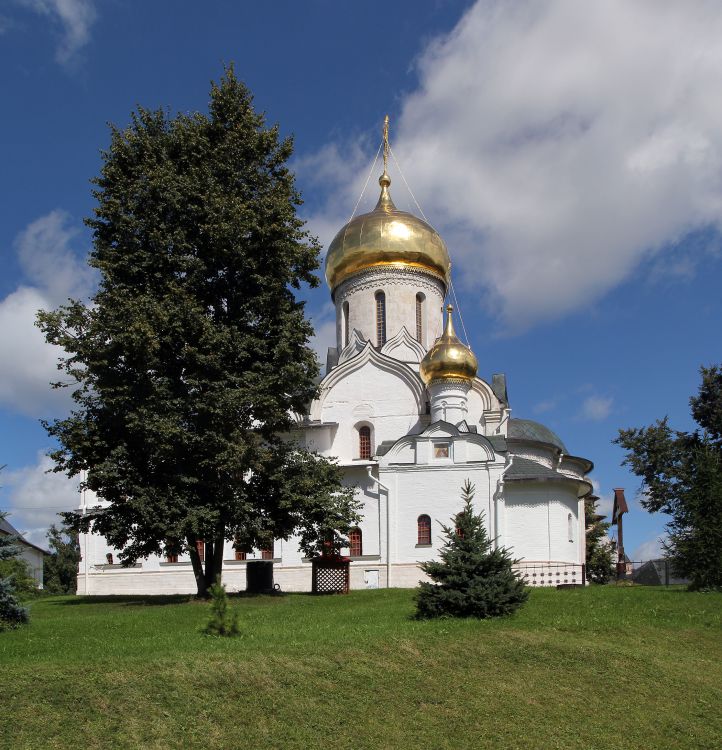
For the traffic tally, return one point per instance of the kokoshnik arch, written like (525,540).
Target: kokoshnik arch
(404,411)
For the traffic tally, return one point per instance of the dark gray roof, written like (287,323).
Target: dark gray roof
(498,385)
(525,468)
(527,429)
(7,528)
(498,443)
(383,448)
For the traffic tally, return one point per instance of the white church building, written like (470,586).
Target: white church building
(403,409)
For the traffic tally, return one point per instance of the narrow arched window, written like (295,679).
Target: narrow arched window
(344,315)
(380,319)
(419,317)
(240,554)
(364,443)
(201,549)
(355,542)
(109,558)
(267,554)
(423,526)
(570,527)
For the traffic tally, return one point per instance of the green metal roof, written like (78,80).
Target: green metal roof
(528,429)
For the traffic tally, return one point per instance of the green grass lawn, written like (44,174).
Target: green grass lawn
(632,668)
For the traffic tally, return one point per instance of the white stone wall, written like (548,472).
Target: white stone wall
(400,285)
(370,396)
(536,524)
(34,559)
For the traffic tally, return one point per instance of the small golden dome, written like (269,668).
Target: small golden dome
(448,358)
(386,237)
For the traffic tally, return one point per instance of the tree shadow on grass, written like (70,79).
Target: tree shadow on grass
(135,600)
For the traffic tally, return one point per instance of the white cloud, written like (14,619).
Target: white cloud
(560,145)
(545,406)
(46,255)
(55,272)
(652,549)
(596,408)
(75,17)
(33,498)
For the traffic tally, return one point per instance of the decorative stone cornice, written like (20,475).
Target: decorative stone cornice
(404,276)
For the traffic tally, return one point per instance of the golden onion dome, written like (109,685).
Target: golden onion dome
(386,237)
(448,358)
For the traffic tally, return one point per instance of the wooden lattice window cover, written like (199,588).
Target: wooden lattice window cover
(364,443)
(201,549)
(266,554)
(355,542)
(240,554)
(424,529)
(330,574)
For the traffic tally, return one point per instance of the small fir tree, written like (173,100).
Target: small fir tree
(472,579)
(600,548)
(12,613)
(221,622)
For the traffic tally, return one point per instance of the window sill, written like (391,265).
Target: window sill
(361,558)
(180,563)
(418,546)
(117,566)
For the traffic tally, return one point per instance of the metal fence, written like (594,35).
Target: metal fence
(659,572)
(551,574)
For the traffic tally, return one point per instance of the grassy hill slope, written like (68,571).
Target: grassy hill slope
(594,669)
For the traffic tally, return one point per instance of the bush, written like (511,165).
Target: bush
(221,622)
(472,578)
(19,571)
(12,613)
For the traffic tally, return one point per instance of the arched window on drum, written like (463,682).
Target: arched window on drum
(345,323)
(380,299)
(420,317)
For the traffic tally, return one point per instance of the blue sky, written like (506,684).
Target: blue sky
(569,153)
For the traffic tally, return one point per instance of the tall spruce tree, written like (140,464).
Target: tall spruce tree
(193,356)
(682,476)
(599,547)
(472,578)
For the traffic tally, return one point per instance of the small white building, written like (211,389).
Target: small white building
(29,552)
(404,411)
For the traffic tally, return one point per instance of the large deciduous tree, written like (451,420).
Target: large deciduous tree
(193,356)
(60,567)
(682,476)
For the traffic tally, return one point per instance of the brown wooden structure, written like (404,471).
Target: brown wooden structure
(330,574)
(620,508)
